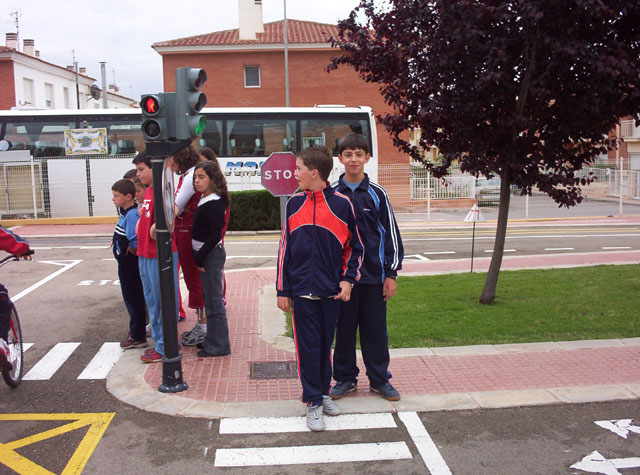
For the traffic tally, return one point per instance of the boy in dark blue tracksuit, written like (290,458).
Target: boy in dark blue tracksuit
(125,246)
(319,261)
(367,307)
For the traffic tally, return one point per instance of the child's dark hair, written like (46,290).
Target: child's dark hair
(209,154)
(353,142)
(317,158)
(185,159)
(141,158)
(138,183)
(218,181)
(131,174)
(124,187)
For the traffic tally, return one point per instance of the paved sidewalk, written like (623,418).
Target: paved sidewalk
(430,379)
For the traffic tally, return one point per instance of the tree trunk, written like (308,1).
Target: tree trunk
(490,284)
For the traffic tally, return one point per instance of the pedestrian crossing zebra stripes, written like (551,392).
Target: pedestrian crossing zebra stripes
(97,368)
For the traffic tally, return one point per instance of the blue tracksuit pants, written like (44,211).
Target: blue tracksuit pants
(314,324)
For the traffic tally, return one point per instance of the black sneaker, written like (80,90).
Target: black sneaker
(341,388)
(387,391)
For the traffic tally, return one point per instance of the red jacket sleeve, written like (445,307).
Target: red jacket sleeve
(12,243)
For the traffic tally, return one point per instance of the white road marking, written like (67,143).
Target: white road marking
(559,248)
(425,445)
(51,362)
(439,252)
(269,425)
(66,266)
(597,463)
(506,250)
(103,361)
(316,454)
(417,257)
(26,346)
(612,248)
(621,427)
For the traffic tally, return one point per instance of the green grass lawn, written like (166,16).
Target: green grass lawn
(531,305)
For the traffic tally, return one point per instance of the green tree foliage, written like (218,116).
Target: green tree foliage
(524,89)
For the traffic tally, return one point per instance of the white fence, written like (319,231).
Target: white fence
(70,187)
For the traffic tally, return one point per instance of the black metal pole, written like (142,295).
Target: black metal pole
(171,363)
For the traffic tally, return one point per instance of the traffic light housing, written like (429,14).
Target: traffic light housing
(189,102)
(158,116)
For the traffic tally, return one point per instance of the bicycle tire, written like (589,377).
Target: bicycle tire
(15,357)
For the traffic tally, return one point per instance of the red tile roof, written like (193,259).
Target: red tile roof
(298,31)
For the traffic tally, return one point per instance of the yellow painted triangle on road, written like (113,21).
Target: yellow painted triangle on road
(98,422)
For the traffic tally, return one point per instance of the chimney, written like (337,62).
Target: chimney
(12,40)
(71,67)
(28,47)
(250,19)
(82,70)
(37,53)
(113,88)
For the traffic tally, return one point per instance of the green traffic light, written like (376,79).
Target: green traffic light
(202,124)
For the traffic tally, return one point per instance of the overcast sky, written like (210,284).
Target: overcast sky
(121,32)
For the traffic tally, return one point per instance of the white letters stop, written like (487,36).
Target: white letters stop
(277,174)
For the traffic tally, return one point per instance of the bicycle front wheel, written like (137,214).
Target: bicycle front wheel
(14,339)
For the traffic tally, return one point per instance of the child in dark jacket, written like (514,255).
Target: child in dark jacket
(209,254)
(125,250)
(319,261)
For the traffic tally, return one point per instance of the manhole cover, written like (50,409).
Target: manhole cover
(274,370)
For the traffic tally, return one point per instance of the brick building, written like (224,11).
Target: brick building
(246,68)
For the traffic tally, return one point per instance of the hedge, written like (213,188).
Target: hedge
(254,210)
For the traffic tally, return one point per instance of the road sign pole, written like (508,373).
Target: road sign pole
(473,241)
(283,210)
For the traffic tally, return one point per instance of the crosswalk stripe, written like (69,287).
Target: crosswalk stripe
(51,362)
(251,457)
(269,425)
(424,443)
(26,346)
(103,361)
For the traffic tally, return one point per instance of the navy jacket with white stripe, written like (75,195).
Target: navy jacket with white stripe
(383,251)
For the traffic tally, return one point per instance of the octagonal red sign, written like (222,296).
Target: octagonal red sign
(277,174)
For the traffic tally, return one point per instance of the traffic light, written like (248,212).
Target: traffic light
(158,120)
(189,102)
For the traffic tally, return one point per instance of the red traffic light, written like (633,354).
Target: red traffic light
(150,105)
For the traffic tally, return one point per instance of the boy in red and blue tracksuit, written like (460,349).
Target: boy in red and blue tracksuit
(367,308)
(319,261)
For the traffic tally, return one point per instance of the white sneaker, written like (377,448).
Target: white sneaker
(315,421)
(5,364)
(329,407)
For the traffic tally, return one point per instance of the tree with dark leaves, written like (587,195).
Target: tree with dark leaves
(526,90)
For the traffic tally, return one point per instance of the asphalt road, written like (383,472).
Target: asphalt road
(82,304)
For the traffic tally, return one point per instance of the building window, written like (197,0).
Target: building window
(28,93)
(48,95)
(67,102)
(252,76)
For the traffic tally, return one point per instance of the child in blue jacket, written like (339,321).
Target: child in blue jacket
(125,250)
(319,261)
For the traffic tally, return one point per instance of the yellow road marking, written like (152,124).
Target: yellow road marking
(97,422)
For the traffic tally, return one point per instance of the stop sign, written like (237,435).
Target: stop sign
(277,174)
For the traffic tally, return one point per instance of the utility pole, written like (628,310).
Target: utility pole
(103,71)
(286,56)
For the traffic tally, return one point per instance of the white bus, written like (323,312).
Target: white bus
(242,138)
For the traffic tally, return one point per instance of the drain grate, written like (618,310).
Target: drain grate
(274,370)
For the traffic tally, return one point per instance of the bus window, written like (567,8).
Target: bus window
(212,136)
(43,139)
(123,137)
(260,138)
(328,132)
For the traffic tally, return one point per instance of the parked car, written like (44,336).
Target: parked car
(488,191)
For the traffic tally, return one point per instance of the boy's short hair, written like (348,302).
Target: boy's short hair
(131,174)
(353,142)
(141,158)
(317,158)
(124,187)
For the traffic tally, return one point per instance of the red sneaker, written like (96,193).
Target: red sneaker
(151,356)
(133,343)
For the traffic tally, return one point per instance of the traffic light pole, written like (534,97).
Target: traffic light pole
(172,381)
